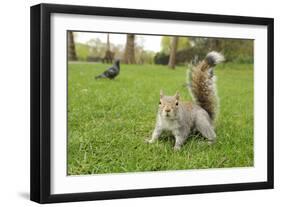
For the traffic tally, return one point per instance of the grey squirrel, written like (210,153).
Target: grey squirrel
(182,117)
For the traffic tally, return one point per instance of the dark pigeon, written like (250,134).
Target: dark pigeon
(111,72)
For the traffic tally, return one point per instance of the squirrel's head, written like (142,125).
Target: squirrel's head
(168,105)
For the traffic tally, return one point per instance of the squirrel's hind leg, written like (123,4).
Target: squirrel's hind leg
(205,127)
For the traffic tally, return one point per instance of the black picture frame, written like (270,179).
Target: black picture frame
(41,99)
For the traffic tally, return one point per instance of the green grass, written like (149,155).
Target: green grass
(108,120)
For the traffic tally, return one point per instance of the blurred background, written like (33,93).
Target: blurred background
(153,49)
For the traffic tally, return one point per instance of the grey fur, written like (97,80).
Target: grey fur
(180,117)
(213,58)
(182,122)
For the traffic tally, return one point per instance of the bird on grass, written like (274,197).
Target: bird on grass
(111,72)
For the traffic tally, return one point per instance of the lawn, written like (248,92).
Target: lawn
(109,120)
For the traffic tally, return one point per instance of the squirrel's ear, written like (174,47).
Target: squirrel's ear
(177,96)
(161,93)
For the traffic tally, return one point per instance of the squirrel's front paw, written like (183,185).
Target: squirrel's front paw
(211,142)
(177,148)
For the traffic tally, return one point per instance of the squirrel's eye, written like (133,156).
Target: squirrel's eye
(177,103)
(160,103)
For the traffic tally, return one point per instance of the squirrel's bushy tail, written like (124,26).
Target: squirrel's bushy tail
(202,83)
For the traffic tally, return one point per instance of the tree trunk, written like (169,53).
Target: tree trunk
(108,43)
(173,52)
(71,47)
(109,56)
(129,55)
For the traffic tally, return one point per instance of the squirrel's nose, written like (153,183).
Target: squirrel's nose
(167,110)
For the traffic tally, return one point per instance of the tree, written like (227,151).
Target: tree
(97,47)
(165,44)
(173,52)
(71,47)
(109,56)
(129,55)
(183,43)
(118,50)
(234,50)
(82,51)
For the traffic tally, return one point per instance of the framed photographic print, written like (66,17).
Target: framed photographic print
(133,103)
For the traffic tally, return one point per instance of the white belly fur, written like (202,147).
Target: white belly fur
(168,124)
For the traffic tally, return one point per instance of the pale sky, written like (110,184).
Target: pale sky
(149,42)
